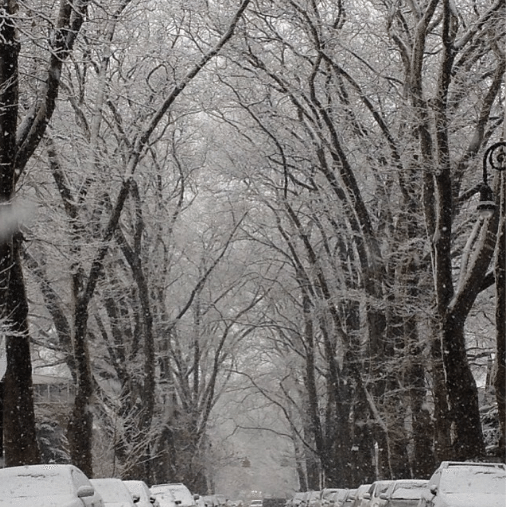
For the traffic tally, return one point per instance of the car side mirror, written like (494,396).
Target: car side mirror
(433,490)
(383,496)
(152,499)
(367,496)
(85,491)
(196,497)
(135,498)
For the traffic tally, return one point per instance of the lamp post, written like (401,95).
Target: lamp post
(495,157)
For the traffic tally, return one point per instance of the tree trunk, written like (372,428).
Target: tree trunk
(363,471)
(20,440)
(467,441)
(80,425)
(500,366)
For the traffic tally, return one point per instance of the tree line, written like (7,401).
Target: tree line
(277,193)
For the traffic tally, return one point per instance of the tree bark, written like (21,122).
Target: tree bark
(500,366)
(20,440)
(467,442)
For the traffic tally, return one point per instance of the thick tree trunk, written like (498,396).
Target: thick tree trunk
(20,440)
(500,366)
(467,441)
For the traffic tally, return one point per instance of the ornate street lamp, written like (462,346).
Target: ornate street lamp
(495,156)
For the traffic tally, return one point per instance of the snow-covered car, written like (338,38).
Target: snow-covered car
(256,503)
(141,494)
(164,496)
(373,497)
(181,493)
(339,497)
(404,493)
(207,501)
(466,484)
(349,498)
(47,486)
(297,499)
(113,492)
(328,496)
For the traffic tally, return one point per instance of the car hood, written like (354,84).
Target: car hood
(42,501)
(471,500)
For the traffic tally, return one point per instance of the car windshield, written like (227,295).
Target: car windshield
(35,484)
(476,480)
(408,490)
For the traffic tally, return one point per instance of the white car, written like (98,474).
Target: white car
(465,484)
(141,494)
(404,493)
(47,486)
(164,496)
(373,497)
(359,495)
(113,492)
(180,492)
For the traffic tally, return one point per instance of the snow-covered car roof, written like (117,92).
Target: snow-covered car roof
(44,486)
(181,493)
(113,492)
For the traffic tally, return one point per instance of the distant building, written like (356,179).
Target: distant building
(48,389)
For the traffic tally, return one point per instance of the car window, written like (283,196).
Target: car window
(407,493)
(382,487)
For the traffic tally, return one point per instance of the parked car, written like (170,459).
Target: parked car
(164,496)
(297,499)
(47,486)
(207,501)
(256,503)
(141,494)
(349,498)
(312,499)
(114,492)
(221,499)
(465,484)
(328,496)
(181,493)
(338,498)
(307,496)
(404,493)
(359,495)
(372,497)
